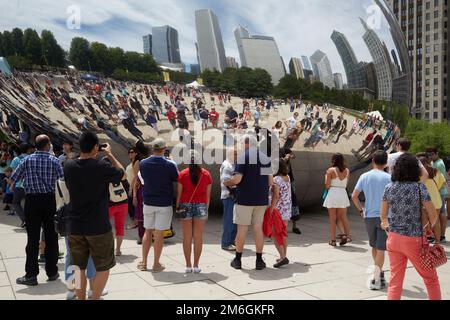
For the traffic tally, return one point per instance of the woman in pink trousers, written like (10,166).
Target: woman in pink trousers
(405,198)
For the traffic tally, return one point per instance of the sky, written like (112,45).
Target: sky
(300,27)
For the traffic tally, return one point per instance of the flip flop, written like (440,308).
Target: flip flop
(158,268)
(142,266)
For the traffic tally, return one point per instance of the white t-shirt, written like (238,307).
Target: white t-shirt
(392,160)
(292,123)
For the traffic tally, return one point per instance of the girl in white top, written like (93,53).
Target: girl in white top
(337,201)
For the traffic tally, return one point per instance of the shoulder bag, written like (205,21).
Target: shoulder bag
(431,257)
(62,212)
(181,213)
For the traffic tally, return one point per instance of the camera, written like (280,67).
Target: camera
(102,147)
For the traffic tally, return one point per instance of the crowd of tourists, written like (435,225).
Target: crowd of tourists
(91,188)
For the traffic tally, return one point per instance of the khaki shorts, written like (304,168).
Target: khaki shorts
(100,247)
(157,218)
(248,216)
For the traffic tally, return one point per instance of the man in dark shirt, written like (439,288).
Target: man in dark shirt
(159,175)
(90,233)
(253,177)
(232,116)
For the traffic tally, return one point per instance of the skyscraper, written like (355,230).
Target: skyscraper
(356,77)
(322,68)
(425,27)
(260,52)
(296,68)
(382,63)
(338,81)
(165,45)
(231,63)
(147,44)
(211,51)
(306,63)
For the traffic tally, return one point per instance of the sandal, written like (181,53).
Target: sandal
(332,243)
(131,227)
(339,236)
(158,268)
(344,241)
(349,239)
(142,266)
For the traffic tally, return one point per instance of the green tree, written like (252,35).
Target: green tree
(79,53)
(1,45)
(52,52)
(133,61)
(117,58)
(289,86)
(424,134)
(7,44)
(32,46)
(100,58)
(148,64)
(18,42)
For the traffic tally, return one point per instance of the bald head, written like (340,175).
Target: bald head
(43,143)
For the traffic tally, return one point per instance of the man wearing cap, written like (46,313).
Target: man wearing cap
(159,175)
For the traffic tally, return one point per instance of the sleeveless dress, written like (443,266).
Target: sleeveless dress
(337,197)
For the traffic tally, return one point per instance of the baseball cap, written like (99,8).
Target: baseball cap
(159,144)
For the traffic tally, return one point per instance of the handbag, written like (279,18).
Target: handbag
(62,211)
(181,213)
(431,257)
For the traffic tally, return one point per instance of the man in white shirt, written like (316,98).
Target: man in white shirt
(291,124)
(403,146)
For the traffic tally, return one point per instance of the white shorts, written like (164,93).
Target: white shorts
(157,218)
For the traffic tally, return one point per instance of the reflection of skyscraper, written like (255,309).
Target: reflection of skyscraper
(381,61)
(165,45)
(322,68)
(211,51)
(306,63)
(424,25)
(260,52)
(147,44)
(356,77)
(231,63)
(338,81)
(296,68)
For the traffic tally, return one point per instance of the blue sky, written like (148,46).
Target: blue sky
(300,27)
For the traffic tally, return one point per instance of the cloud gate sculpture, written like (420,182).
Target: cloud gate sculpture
(352,45)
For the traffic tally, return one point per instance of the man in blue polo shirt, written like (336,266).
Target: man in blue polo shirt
(253,177)
(159,175)
(373,185)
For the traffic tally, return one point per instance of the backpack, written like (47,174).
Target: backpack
(62,207)
(117,193)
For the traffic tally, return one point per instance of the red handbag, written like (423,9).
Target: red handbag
(431,257)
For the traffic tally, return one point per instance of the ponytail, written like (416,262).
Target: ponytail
(194,173)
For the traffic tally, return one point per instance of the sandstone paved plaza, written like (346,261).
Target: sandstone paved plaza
(317,271)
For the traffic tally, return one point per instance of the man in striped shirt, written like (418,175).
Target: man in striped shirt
(39,173)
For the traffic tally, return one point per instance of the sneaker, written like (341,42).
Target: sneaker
(281,263)
(431,240)
(296,231)
(197,270)
(53,278)
(188,270)
(230,248)
(139,242)
(443,240)
(383,280)
(32,281)
(71,295)
(375,285)
(260,265)
(236,264)
(104,293)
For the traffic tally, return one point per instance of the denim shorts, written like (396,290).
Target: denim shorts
(195,211)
